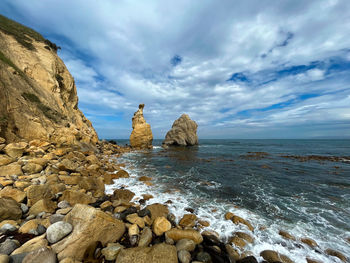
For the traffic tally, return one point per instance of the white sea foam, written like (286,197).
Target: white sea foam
(265,232)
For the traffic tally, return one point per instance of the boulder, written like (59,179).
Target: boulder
(15,150)
(177,234)
(161,225)
(90,225)
(76,197)
(124,195)
(310,242)
(38,192)
(13,193)
(111,251)
(159,253)
(141,135)
(273,256)
(157,210)
(286,235)
(120,174)
(4,159)
(335,253)
(9,209)
(32,168)
(43,205)
(188,220)
(183,132)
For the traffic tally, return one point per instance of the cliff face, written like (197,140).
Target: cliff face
(38,96)
(141,136)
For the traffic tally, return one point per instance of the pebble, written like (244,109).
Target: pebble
(24,208)
(184,256)
(41,229)
(57,231)
(8,246)
(7,228)
(63,204)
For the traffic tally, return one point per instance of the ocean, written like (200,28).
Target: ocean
(299,186)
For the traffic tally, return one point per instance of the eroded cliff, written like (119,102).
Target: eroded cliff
(38,96)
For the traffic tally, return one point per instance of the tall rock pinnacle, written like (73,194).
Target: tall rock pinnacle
(141,136)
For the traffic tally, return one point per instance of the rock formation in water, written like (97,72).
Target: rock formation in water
(38,96)
(141,136)
(183,132)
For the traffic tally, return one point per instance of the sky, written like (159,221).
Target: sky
(252,69)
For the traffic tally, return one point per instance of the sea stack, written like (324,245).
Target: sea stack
(141,136)
(183,132)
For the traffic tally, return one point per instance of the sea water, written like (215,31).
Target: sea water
(268,182)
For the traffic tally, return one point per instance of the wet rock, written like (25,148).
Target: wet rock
(249,259)
(15,150)
(310,242)
(111,251)
(239,220)
(232,253)
(120,174)
(335,253)
(188,220)
(177,234)
(144,212)
(185,244)
(57,231)
(184,256)
(248,238)
(158,210)
(9,209)
(183,132)
(273,256)
(40,255)
(286,235)
(204,257)
(311,260)
(159,253)
(161,225)
(141,136)
(86,220)
(229,215)
(211,236)
(146,237)
(8,246)
(238,242)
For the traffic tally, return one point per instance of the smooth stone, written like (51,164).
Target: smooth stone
(273,256)
(41,255)
(204,257)
(185,244)
(111,251)
(41,229)
(177,234)
(58,231)
(63,204)
(24,208)
(4,258)
(56,218)
(335,253)
(8,228)
(146,237)
(184,256)
(8,246)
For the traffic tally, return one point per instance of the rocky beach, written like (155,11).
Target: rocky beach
(62,192)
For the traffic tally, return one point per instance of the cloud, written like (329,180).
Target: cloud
(239,68)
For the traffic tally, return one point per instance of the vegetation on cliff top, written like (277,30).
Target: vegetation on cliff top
(23,34)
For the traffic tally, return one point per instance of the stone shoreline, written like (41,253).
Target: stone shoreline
(53,208)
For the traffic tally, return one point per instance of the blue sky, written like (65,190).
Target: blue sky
(241,69)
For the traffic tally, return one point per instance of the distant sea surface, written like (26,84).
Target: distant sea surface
(300,186)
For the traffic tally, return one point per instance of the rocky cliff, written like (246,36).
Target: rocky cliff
(183,132)
(38,96)
(141,136)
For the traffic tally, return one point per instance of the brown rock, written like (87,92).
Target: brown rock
(158,210)
(67,165)
(13,193)
(310,242)
(272,256)
(32,168)
(311,260)
(15,150)
(141,136)
(177,234)
(92,159)
(232,253)
(11,169)
(70,180)
(161,225)
(229,215)
(145,238)
(147,197)
(40,255)
(93,184)
(120,174)
(89,225)
(135,219)
(133,230)
(335,253)
(248,238)
(286,235)
(159,253)
(31,245)
(145,178)
(38,192)
(124,195)
(9,209)
(188,220)
(76,197)
(239,220)
(43,205)
(238,242)
(4,159)
(41,161)
(203,223)
(183,132)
